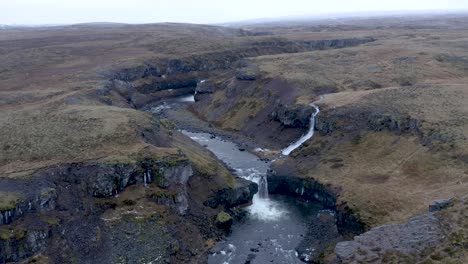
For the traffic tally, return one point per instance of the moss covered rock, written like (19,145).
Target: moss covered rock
(224,220)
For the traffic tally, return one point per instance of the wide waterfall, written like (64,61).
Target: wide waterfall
(305,137)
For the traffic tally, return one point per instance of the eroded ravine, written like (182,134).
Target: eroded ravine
(278,228)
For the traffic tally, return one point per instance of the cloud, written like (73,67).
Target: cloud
(200,11)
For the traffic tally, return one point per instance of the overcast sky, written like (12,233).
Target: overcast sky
(196,11)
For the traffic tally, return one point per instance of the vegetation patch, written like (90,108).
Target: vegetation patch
(9,200)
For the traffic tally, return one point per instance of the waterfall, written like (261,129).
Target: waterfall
(149,176)
(263,187)
(305,137)
(191,98)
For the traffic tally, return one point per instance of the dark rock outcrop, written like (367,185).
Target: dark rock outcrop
(101,180)
(182,73)
(204,88)
(356,120)
(441,204)
(43,199)
(136,72)
(241,193)
(309,189)
(247,73)
(20,244)
(395,123)
(305,188)
(297,116)
(155,84)
(320,235)
(324,124)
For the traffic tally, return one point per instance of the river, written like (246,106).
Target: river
(275,225)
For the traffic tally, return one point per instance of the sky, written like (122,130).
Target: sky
(196,11)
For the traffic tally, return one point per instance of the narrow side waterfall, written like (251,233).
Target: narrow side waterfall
(257,176)
(190,98)
(263,187)
(305,137)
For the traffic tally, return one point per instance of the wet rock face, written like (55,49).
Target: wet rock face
(100,179)
(241,193)
(175,178)
(43,199)
(174,175)
(104,180)
(346,221)
(305,188)
(155,84)
(297,116)
(408,239)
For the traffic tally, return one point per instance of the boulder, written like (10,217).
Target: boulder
(241,193)
(441,204)
(346,250)
(224,220)
(206,86)
(203,89)
(247,74)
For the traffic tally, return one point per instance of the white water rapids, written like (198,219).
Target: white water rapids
(305,137)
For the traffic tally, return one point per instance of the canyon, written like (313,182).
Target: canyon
(112,142)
